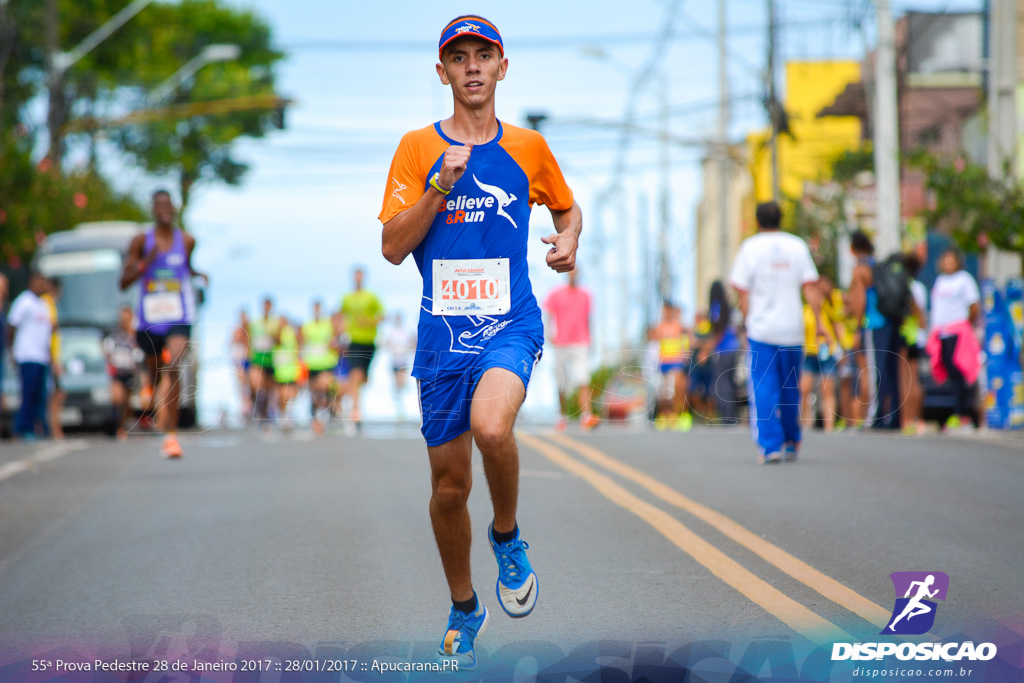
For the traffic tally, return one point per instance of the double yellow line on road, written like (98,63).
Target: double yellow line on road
(793,614)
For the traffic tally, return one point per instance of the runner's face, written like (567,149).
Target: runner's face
(163,209)
(472,67)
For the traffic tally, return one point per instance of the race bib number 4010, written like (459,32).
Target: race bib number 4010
(471,287)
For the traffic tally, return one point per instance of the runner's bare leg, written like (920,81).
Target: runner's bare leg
(451,478)
(496,402)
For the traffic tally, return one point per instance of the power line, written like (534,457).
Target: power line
(529,43)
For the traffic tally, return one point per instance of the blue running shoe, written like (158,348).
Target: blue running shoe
(459,644)
(517,583)
(790,450)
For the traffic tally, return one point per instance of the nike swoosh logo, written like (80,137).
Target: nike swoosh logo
(526,598)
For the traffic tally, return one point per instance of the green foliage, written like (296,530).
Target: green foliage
(35,201)
(819,218)
(199,148)
(850,163)
(599,380)
(979,210)
(109,81)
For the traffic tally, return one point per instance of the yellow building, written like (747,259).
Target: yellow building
(815,142)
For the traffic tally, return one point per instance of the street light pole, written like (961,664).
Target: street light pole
(59,62)
(209,55)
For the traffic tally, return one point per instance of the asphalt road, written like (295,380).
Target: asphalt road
(284,545)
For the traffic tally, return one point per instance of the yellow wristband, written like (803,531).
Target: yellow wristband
(437,186)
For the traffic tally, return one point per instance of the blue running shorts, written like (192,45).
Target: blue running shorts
(446,399)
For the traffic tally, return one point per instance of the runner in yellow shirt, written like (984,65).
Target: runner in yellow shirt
(287,372)
(674,355)
(822,353)
(363,312)
(318,335)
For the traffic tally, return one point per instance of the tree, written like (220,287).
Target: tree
(199,148)
(979,210)
(37,200)
(114,77)
(819,216)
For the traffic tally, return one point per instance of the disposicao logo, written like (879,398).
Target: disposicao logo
(913,615)
(914,612)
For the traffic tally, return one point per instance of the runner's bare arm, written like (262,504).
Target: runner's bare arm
(858,291)
(568,225)
(136,262)
(404,232)
(190,245)
(812,295)
(741,300)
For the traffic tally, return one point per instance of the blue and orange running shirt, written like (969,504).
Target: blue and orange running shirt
(486,216)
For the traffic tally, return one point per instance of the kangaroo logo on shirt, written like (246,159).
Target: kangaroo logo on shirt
(503,198)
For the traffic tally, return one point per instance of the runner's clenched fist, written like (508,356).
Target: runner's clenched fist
(454,164)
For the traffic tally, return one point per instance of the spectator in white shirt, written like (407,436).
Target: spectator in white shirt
(771,270)
(30,332)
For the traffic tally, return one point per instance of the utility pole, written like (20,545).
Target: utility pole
(722,145)
(57,111)
(644,223)
(664,196)
(772,113)
(1002,109)
(888,237)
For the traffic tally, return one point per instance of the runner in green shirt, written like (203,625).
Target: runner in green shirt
(363,312)
(286,371)
(264,334)
(317,337)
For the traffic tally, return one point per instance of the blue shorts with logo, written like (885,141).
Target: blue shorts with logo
(446,399)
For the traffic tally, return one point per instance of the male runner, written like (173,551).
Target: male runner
(120,348)
(458,199)
(161,258)
(568,307)
(673,359)
(264,334)
(317,337)
(287,372)
(401,344)
(363,312)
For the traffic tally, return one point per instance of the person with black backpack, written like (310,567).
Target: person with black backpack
(880,298)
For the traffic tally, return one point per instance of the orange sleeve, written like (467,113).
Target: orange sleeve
(531,152)
(407,178)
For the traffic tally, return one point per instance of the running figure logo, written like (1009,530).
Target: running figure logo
(914,613)
(397,194)
(503,198)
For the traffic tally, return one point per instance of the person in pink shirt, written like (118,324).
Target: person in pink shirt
(568,309)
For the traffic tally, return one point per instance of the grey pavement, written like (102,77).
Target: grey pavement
(309,545)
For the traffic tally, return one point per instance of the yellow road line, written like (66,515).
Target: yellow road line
(790,612)
(798,569)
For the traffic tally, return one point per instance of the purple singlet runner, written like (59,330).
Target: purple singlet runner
(166,296)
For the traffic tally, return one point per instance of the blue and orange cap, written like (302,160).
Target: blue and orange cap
(470,25)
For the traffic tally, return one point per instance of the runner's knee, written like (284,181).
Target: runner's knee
(491,435)
(452,493)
